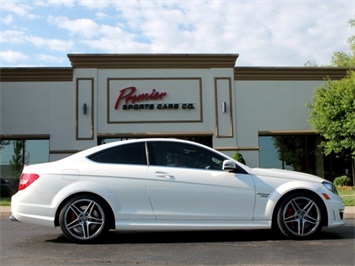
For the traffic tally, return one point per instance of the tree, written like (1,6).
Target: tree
(16,161)
(342,59)
(332,113)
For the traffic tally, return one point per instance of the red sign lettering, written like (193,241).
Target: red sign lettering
(128,95)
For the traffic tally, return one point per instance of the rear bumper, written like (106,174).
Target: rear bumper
(31,213)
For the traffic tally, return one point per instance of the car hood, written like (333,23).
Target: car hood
(279,173)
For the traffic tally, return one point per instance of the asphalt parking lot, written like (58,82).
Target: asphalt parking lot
(25,244)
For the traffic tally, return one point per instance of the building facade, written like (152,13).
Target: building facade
(259,112)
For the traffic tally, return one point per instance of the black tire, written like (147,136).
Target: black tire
(300,216)
(84,218)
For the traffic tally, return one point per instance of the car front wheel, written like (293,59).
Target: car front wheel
(83,218)
(299,216)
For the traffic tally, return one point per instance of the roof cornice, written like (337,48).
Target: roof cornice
(289,73)
(153,60)
(36,74)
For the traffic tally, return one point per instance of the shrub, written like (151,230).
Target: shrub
(342,181)
(238,157)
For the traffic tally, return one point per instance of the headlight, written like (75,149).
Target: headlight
(331,187)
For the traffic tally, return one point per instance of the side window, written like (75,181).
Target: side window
(183,155)
(122,154)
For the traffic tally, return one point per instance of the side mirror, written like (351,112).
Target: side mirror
(229,166)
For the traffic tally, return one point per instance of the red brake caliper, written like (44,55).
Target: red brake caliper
(73,216)
(289,213)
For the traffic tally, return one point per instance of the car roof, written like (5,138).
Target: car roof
(98,148)
(85,153)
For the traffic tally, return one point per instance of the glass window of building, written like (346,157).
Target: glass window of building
(291,152)
(301,153)
(14,154)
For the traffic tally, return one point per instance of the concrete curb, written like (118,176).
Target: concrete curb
(349,212)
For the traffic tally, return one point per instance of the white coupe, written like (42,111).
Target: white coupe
(170,184)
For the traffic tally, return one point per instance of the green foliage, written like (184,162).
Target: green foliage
(342,59)
(239,157)
(347,194)
(342,181)
(5,201)
(333,115)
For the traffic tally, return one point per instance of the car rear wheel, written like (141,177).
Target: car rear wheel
(299,216)
(83,218)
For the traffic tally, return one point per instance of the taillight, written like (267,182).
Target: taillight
(26,180)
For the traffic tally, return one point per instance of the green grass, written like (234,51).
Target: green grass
(5,201)
(348,195)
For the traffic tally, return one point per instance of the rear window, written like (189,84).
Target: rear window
(122,154)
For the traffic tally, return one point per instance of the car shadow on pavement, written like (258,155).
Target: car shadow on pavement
(114,237)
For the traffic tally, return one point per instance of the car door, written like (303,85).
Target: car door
(122,170)
(186,182)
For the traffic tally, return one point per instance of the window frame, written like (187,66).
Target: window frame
(93,157)
(188,146)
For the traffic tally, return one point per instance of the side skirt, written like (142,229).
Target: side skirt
(167,225)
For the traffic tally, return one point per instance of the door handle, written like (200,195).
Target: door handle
(163,175)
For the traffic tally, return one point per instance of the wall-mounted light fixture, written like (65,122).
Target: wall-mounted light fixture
(85,108)
(224,107)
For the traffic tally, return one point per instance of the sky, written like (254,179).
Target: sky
(40,33)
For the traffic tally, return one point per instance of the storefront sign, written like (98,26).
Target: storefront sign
(166,106)
(154,100)
(132,100)
(129,96)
